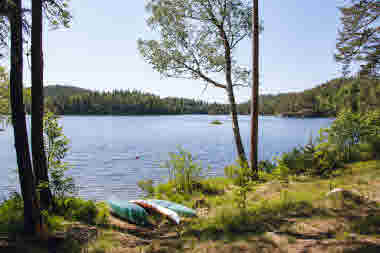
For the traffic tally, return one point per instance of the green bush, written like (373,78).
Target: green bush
(351,137)
(239,173)
(82,210)
(242,176)
(12,213)
(213,186)
(352,130)
(266,166)
(57,146)
(54,222)
(183,171)
(147,187)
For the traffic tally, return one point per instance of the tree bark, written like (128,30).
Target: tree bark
(235,126)
(32,215)
(255,91)
(231,98)
(38,148)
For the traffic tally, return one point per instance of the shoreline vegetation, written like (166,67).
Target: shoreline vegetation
(324,100)
(305,198)
(321,197)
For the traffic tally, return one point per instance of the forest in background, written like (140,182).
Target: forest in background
(325,100)
(69,100)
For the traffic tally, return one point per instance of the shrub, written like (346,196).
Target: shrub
(325,160)
(83,210)
(11,213)
(54,222)
(242,176)
(352,129)
(351,137)
(56,148)
(266,166)
(147,187)
(184,172)
(213,186)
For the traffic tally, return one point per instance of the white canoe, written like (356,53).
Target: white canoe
(149,205)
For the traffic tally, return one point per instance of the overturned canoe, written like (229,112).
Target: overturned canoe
(129,211)
(180,209)
(150,205)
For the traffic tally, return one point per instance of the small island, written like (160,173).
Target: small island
(216,122)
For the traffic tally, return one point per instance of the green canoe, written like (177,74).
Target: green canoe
(129,211)
(180,209)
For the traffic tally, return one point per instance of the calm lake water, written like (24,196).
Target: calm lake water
(104,149)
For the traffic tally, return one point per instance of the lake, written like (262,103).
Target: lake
(104,149)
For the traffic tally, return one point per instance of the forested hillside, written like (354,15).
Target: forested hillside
(63,90)
(324,100)
(73,100)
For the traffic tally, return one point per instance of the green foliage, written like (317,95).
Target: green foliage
(74,100)
(213,186)
(82,210)
(242,176)
(266,166)
(240,173)
(325,160)
(12,213)
(358,38)
(54,222)
(191,38)
(216,122)
(57,13)
(183,171)
(146,186)
(4,94)
(56,148)
(325,100)
(351,137)
(350,131)
(345,132)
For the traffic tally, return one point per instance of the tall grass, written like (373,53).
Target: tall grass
(183,171)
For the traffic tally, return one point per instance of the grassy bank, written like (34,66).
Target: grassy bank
(280,216)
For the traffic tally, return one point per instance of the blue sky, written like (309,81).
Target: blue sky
(100,52)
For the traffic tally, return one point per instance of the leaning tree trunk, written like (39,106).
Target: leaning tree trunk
(38,148)
(231,99)
(235,126)
(32,216)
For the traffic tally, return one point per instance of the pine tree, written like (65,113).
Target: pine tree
(359,37)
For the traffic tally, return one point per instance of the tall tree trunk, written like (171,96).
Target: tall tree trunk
(38,148)
(32,216)
(235,125)
(255,91)
(231,99)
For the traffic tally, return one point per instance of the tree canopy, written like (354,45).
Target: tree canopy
(193,36)
(359,36)
(197,41)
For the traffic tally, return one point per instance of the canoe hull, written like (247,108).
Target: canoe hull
(149,205)
(129,211)
(180,209)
